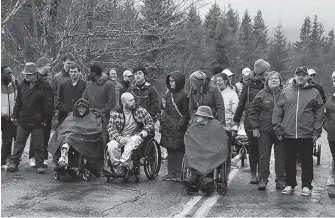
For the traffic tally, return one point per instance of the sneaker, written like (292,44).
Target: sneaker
(3,167)
(331,181)
(288,190)
(12,167)
(32,162)
(254,179)
(262,184)
(306,191)
(45,163)
(40,170)
(280,184)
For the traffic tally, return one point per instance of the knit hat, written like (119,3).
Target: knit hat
(311,72)
(43,61)
(303,69)
(30,68)
(217,69)
(198,75)
(82,101)
(246,71)
(227,72)
(261,66)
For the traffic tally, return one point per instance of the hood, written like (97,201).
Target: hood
(75,111)
(102,79)
(178,77)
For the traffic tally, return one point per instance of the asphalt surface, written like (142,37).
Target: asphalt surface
(25,193)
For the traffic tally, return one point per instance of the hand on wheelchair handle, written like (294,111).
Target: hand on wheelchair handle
(143,134)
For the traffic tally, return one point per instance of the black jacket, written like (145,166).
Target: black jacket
(320,89)
(33,106)
(69,95)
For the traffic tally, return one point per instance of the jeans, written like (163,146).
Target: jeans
(37,134)
(303,147)
(265,142)
(8,130)
(175,159)
(253,151)
(47,131)
(114,150)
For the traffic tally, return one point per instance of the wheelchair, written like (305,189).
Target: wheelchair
(220,178)
(240,145)
(147,155)
(77,166)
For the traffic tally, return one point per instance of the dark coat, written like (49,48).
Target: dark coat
(172,125)
(319,88)
(329,123)
(69,95)
(249,91)
(33,106)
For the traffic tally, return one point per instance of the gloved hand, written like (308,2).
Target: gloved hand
(255,133)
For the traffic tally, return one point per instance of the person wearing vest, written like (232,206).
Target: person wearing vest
(253,85)
(173,123)
(8,128)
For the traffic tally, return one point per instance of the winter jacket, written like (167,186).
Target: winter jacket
(69,94)
(211,97)
(329,123)
(320,89)
(8,96)
(33,106)
(261,109)
(117,122)
(172,125)
(249,91)
(101,95)
(125,85)
(230,100)
(299,112)
(147,96)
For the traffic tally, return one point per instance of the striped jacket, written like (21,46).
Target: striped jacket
(8,97)
(117,122)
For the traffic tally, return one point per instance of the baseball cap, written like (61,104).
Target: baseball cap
(311,72)
(127,73)
(303,69)
(43,61)
(227,72)
(246,71)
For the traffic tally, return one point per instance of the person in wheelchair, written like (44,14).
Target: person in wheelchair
(81,131)
(129,125)
(206,146)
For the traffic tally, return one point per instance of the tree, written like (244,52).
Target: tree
(278,55)
(247,41)
(212,19)
(260,32)
(305,34)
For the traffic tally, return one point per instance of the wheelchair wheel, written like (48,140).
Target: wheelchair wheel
(318,154)
(183,174)
(152,159)
(87,175)
(222,179)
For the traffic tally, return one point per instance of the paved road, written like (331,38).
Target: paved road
(24,193)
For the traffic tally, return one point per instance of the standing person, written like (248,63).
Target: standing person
(8,128)
(203,94)
(127,79)
(252,86)
(70,92)
(43,67)
(216,70)
(260,117)
(329,126)
(239,86)
(146,95)
(230,100)
(32,108)
(312,75)
(173,123)
(297,120)
(118,87)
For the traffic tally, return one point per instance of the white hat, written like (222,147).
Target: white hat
(333,75)
(311,72)
(227,72)
(127,73)
(246,71)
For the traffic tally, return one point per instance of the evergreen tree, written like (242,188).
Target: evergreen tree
(305,35)
(278,55)
(233,19)
(260,31)
(212,19)
(247,41)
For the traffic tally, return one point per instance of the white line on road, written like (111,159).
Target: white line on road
(209,203)
(188,207)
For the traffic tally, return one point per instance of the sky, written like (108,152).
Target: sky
(290,13)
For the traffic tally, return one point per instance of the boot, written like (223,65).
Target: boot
(254,178)
(13,167)
(191,181)
(262,184)
(280,183)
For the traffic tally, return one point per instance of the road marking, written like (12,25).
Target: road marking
(189,205)
(209,203)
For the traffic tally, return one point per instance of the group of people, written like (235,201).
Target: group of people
(288,117)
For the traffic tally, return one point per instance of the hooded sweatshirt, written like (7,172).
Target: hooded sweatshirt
(329,123)
(172,124)
(299,112)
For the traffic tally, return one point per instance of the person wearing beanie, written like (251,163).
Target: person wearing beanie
(43,67)
(297,121)
(329,126)
(239,85)
(311,75)
(146,95)
(253,85)
(32,108)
